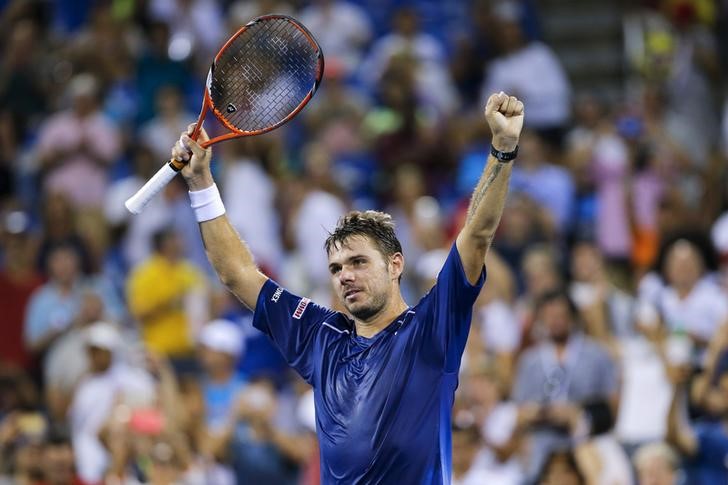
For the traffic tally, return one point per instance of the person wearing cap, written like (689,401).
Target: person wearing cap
(110,382)
(220,345)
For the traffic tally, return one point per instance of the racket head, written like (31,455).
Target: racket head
(263,76)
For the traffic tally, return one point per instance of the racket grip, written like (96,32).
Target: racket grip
(136,203)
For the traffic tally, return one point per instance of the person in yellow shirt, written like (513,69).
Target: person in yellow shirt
(166,295)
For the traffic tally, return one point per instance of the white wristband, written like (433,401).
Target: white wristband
(207,203)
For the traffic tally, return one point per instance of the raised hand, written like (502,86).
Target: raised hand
(505,117)
(197,165)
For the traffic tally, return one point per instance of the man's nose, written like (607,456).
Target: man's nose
(346,275)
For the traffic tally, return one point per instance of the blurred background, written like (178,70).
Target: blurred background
(123,360)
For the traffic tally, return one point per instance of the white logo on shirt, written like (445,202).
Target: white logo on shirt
(276,295)
(298,313)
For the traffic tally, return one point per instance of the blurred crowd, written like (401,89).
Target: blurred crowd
(599,345)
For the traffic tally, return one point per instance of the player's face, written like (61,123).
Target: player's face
(361,276)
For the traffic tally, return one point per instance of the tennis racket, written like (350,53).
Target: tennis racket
(261,78)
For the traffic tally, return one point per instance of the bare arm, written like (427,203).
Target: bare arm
(679,434)
(228,254)
(505,117)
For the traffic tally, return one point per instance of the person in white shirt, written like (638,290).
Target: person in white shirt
(342,28)
(530,69)
(434,86)
(465,445)
(108,383)
(686,302)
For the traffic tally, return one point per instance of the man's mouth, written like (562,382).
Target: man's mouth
(351,292)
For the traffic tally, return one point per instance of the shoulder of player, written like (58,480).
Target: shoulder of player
(336,323)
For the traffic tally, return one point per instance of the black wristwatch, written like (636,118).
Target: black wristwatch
(503,157)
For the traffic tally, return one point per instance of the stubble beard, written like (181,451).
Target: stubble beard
(370,309)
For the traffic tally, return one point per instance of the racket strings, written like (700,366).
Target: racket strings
(263,75)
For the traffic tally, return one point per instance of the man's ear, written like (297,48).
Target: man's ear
(396,265)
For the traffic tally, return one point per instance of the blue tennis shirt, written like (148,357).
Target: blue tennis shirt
(383,404)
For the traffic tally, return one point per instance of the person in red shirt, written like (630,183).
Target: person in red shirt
(18,279)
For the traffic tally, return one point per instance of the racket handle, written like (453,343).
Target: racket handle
(139,201)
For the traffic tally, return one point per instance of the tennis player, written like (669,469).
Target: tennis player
(384,376)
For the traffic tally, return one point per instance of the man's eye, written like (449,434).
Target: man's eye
(334,270)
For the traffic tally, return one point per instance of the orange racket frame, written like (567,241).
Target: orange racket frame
(138,201)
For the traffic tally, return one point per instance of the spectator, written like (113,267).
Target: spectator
(22,429)
(465,443)
(267,447)
(196,26)
(109,383)
(54,306)
(685,303)
(691,84)
(530,69)
(23,93)
(253,186)
(162,131)
(541,275)
(155,68)
(548,185)
(562,375)
(562,468)
(484,390)
(525,224)
(65,363)
(704,444)
(59,222)
(76,147)
(18,280)
(719,237)
(495,316)
(610,166)
(220,347)
(316,212)
(58,462)
(408,43)
(419,218)
(657,464)
(342,28)
(171,206)
(167,298)
(607,311)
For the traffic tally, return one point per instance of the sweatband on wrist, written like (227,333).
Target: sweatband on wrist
(207,203)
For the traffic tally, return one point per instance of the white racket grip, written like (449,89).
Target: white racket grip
(139,201)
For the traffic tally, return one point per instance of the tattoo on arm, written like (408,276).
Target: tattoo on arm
(481,190)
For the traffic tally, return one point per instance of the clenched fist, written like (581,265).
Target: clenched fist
(505,117)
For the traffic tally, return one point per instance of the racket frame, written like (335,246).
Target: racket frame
(207,103)
(167,172)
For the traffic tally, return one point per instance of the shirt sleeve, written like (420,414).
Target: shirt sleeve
(292,323)
(449,307)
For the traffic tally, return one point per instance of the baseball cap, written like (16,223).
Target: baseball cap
(103,335)
(222,336)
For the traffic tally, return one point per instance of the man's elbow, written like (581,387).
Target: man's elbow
(230,279)
(479,240)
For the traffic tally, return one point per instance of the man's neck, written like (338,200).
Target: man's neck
(560,347)
(382,320)
(221,376)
